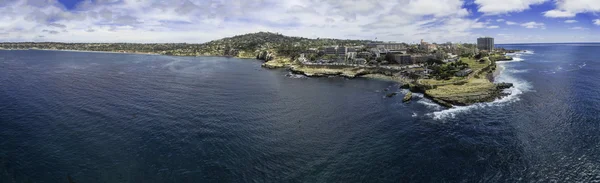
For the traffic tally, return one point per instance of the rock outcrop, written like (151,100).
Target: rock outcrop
(339,70)
(502,86)
(405,86)
(391,94)
(265,55)
(407,97)
(476,89)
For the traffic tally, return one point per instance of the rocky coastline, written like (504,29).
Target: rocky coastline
(478,88)
(486,91)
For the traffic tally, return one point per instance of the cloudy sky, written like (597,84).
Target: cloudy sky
(197,21)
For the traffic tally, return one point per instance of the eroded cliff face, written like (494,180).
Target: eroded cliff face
(344,71)
(468,98)
(266,55)
(475,89)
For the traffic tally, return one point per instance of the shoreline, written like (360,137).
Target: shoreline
(134,53)
(91,51)
(85,51)
(477,88)
(442,95)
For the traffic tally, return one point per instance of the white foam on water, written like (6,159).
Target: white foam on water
(171,64)
(429,104)
(515,59)
(519,87)
(518,59)
(414,115)
(420,95)
(295,76)
(515,71)
(528,52)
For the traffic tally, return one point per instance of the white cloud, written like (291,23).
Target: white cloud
(494,7)
(597,21)
(559,14)
(201,20)
(570,21)
(578,28)
(438,8)
(533,25)
(570,8)
(493,27)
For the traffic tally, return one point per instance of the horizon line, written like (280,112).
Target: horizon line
(218,39)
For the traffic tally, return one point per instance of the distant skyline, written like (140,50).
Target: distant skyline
(198,21)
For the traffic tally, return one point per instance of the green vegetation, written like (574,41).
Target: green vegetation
(474,64)
(499,57)
(464,90)
(244,46)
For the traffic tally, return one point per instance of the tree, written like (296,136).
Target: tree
(432,61)
(482,54)
(312,57)
(467,55)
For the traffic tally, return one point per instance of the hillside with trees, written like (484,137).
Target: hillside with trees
(253,45)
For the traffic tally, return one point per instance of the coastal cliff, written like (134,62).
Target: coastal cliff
(279,51)
(477,87)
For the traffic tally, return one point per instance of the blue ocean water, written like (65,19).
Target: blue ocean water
(103,117)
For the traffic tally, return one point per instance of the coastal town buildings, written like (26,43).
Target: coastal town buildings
(403,59)
(426,46)
(423,45)
(351,55)
(419,59)
(330,50)
(335,50)
(485,43)
(387,46)
(376,52)
(341,50)
(396,54)
(364,54)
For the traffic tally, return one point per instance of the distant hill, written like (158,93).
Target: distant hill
(250,44)
(245,46)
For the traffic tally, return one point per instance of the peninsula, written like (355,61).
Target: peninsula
(448,73)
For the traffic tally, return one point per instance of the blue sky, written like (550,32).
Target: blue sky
(197,21)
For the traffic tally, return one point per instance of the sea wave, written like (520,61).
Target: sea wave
(295,76)
(531,52)
(518,59)
(520,53)
(429,104)
(566,68)
(515,59)
(520,86)
(516,71)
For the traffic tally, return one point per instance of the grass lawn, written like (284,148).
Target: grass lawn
(473,64)
(441,82)
(474,86)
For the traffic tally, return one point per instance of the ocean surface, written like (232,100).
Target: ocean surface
(104,117)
